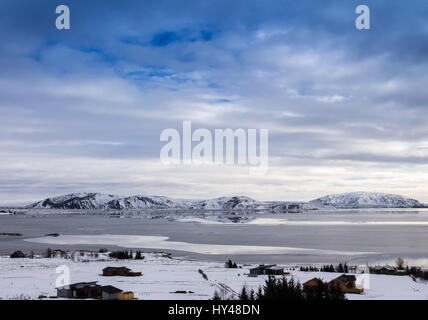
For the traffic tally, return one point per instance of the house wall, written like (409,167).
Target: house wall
(63,293)
(109,296)
(125,296)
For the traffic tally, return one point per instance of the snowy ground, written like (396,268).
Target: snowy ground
(162,276)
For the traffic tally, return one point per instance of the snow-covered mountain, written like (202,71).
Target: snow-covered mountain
(147,202)
(366,200)
(107,201)
(227,203)
(76,201)
(238,203)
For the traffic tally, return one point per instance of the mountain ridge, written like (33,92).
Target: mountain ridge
(350,200)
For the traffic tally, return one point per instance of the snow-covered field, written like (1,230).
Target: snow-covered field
(162,276)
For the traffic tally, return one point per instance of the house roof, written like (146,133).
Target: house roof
(116,269)
(316,280)
(345,278)
(262,266)
(91,287)
(275,268)
(18,254)
(79,284)
(384,267)
(110,289)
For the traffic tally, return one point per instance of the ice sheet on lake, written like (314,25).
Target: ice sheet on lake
(273,221)
(159,242)
(279,221)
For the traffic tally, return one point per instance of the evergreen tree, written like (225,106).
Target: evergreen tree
(252,295)
(138,256)
(260,294)
(231,264)
(216,296)
(243,295)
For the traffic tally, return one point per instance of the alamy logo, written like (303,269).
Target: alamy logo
(199,147)
(363,277)
(363,20)
(63,20)
(64,278)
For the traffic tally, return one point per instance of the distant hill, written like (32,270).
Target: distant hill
(366,200)
(108,201)
(338,201)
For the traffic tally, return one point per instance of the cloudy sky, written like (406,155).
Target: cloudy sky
(83,109)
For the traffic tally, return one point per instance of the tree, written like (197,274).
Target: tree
(138,256)
(216,296)
(280,289)
(345,267)
(231,264)
(243,295)
(400,263)
(252,295)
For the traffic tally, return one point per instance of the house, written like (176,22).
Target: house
(120,271)
(80,290)
(18,254)
(84,290)
(110,293)
(274,270)
(266,269)
(384,269)
(293,208)
(346,283)
(259,270)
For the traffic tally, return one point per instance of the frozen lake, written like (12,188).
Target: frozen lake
(356,236)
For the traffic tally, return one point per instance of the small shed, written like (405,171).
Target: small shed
(110,293)
(18,254)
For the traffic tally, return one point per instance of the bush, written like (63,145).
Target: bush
(203,274)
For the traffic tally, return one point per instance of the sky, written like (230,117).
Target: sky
(82,109)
